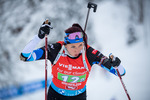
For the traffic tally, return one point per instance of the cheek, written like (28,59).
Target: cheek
(71,50)
(80,48)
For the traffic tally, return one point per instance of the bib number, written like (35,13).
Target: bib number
(71,78)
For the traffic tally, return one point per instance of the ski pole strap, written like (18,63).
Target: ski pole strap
(102,59)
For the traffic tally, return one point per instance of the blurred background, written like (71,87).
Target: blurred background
(121,27)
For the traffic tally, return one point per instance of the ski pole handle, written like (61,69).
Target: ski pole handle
(46,22)
(49,23)
(89,6)
(92,5)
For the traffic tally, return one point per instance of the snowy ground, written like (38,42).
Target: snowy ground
(110,34)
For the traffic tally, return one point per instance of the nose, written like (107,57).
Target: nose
(77,50)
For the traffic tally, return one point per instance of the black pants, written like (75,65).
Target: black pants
(53,95)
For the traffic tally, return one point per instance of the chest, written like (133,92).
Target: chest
(69,66)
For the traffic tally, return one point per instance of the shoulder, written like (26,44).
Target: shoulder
(55,46)
(92,51)
(60,42)
(53,50)
(92,54)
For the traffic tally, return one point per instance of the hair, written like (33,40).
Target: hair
(73,29)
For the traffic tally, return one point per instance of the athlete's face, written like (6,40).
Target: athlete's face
(74,49)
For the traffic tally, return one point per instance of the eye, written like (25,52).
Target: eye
(73,47)
(80,45)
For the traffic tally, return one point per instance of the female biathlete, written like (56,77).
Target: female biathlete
(71,60)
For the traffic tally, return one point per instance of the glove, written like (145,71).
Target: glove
(44,29)
(108,62)
(116,62)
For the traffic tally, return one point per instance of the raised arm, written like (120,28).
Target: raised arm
(28,53)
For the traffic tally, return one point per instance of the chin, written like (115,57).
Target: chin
(76,55)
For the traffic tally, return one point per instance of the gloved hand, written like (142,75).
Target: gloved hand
(108,62)
(44,29)
(115,61)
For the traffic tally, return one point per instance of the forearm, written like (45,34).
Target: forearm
(112,70)
(109,65)
(31,45)
(27,53)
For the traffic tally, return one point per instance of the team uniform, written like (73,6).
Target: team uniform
(69,73)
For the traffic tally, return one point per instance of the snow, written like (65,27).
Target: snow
(110,31)
(110,24)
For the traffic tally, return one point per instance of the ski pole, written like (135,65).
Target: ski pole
(46,22)
(124,87)
(90,5)
(123,84)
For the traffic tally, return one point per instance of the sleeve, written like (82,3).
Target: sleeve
(29,54)
(96,57)
(53,50)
